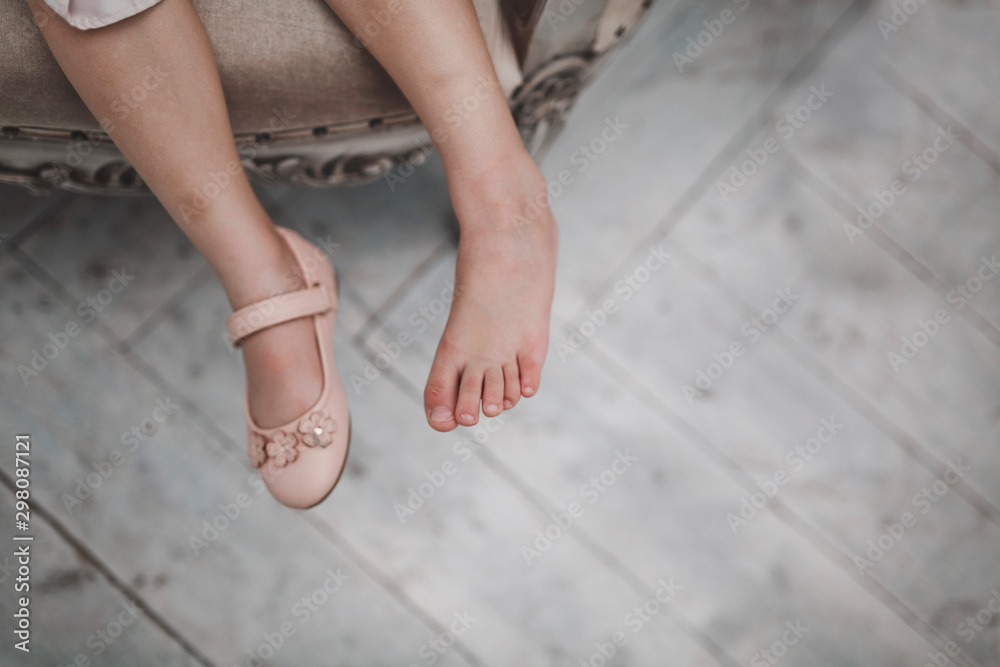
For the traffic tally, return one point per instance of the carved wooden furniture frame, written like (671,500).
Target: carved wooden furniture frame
(560,44)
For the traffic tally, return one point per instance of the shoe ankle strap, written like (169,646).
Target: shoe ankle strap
(278,309)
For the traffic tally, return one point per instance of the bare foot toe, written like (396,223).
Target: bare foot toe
(530,366)
(511,385)
(493,391)
(441,395)
(469,394)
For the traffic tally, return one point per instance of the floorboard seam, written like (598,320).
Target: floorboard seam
(820,543)
(375,317)
(888,244)
(206,423)
(388,584)
(59,201)
(841,388)
(755,122)
(935,111)
(84,552)
(535,498)
(149,324)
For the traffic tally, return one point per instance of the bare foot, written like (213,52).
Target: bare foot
(494,345)
(284,371)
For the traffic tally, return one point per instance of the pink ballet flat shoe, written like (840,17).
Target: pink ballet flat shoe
(301,461)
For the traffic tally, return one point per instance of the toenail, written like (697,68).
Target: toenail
(492,408)
(528,391)
(508,404)
(440,414)
(466,417)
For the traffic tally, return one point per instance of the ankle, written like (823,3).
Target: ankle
(470,164)
(272,271)
(508,193)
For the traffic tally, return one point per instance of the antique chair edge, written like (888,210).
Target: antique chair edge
(559,44)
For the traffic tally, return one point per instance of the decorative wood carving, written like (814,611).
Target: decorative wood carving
(322,157)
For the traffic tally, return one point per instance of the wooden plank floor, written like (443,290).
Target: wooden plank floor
(812,408)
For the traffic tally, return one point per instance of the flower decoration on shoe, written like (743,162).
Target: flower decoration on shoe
(317,429)
(281,450)
(257,449)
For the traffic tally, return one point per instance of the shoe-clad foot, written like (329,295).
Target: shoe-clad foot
(284,372)
(297,414)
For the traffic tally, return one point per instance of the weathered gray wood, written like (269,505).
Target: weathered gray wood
(71,602)
(948,51)
(833,319)
(133,236)
(947,394)
(667,516)
(140,520)
(678,121)
(458,552)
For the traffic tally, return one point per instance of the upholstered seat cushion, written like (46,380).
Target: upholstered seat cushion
(287,58)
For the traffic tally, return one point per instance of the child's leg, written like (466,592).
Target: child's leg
(497,334)
(176,138)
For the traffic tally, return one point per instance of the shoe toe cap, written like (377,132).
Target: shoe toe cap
(309,479)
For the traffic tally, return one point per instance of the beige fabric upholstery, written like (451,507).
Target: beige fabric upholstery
(309,105)
(287,57)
